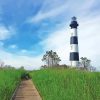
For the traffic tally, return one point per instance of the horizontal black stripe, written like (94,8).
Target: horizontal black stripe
(73,40)
(74,56)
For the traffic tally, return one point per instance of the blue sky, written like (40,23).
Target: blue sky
(29,28)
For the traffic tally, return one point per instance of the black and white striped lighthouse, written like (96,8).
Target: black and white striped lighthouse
(74,54)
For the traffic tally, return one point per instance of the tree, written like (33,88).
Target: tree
(46,58)
(92,68)
(85,62)
(1,64)
(51,58)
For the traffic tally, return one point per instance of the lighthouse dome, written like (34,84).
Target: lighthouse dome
(74,23)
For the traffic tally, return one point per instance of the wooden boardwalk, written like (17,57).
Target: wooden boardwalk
(27,91)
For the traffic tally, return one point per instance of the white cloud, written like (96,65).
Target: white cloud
(59,42)
(13,46)
(89,39)
(5,32)
(52,13)
(19,60)
(23,51)
(54,8)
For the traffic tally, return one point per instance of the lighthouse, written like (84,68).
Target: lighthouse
(74,53)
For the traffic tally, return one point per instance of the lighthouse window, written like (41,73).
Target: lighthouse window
(72,34)
(71,47)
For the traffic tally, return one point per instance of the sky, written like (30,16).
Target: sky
(29,28)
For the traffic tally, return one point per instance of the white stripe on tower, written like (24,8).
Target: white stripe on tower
(74,54)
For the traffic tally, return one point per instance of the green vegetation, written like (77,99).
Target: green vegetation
(67,84)
(9,79)
(51,59)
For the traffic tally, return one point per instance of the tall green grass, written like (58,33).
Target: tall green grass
(67,84)
(9,79)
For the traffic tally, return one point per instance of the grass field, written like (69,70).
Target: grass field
(9,79)
(67,84)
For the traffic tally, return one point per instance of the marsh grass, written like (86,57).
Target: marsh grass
(67,84)
(9,79)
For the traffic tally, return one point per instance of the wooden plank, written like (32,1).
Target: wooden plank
(27,91)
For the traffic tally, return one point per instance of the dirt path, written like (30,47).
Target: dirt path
(27,91)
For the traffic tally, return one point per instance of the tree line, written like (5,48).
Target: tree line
(51,59)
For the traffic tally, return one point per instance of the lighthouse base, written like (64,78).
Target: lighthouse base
(74,63)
